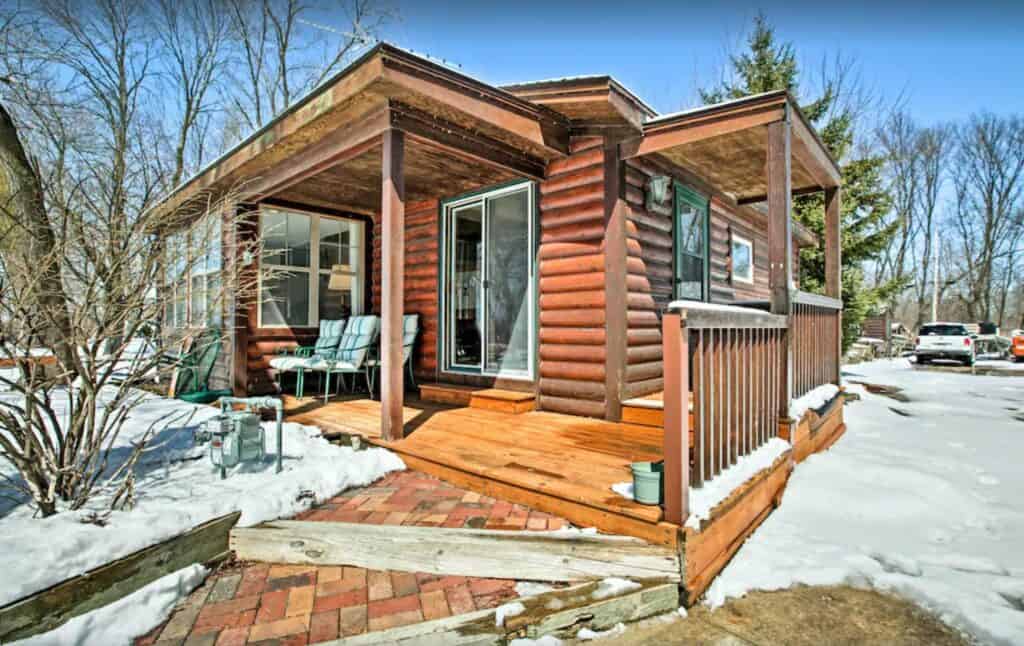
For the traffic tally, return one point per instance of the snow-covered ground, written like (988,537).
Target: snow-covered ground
(177,488)
(920,498)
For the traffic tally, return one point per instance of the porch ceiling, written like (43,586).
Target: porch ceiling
(727,143)
(355,184)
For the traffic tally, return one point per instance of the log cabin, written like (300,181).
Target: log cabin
(567,249)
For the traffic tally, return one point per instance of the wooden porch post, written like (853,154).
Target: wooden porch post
(780,243)
(392,213)
(676,443)
(615,302)
(780,233)
(833,264)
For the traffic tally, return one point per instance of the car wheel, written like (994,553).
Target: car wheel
(922,361)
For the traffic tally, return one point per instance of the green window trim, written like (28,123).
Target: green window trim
(687,197)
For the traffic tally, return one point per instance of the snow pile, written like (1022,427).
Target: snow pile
(122,621)
(586,634)
(613,587)
(624,489)
(546,640)
(532,588)
(704,499)
(178,488)
(812,400)
(512,609)
(925,504)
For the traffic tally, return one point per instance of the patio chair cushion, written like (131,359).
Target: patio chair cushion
(360,333)
(320,364)
(331,332)
(288,363)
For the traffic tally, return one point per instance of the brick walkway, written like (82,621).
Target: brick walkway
(260,603)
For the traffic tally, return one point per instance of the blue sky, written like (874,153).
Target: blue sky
(945,59)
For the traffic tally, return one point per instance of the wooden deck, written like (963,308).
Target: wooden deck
(557,463)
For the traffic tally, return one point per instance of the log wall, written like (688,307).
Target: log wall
(572,283)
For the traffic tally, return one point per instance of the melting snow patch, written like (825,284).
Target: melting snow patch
(586,634)
(507,610)
(125,619)
(532,588)
(813,400)
(613,587)
(714,491)
(546,640)
(907,490)
(177,489)
(624,489)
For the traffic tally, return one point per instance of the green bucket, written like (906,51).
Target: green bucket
(647,478)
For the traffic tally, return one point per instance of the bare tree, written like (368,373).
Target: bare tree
(988,176)
(281,53)
(194,35)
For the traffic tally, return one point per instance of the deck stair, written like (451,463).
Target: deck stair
(646,411)
(496,399)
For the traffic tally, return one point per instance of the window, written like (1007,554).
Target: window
(691,245)
(742,259)
(313,268)
(193,266)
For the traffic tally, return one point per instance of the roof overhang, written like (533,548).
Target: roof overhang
(387,87)
(728,144)
(588,101)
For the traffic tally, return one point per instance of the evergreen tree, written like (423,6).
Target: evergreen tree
(768,66)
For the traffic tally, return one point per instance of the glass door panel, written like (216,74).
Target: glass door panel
(507,287)
(466,287)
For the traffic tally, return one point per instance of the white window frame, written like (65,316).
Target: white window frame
(446,307)
(743,242)
(183,240)
(315,270)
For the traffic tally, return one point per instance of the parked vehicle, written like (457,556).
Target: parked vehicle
(945,341)
(1017,346)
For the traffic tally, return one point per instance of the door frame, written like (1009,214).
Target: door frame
(447,207)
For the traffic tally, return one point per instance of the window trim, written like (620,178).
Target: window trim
(684,195)
(742,241)
(449,206)
(314,270)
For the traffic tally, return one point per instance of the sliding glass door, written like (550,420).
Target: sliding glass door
(488,283)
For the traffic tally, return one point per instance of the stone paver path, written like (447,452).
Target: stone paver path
(268,604)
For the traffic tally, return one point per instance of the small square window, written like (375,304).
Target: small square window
(742,260)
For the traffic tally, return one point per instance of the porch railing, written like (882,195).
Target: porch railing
(815,324)
(725,376)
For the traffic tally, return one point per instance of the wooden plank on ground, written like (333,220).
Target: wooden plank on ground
(50,608)
(532,556)
(559,612)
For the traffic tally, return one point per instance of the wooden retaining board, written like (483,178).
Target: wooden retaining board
(732,522)
(45,610)
(532,556)
(559,612)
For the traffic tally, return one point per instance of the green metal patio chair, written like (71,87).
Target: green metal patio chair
(360,336)
(299,359)
(196,366)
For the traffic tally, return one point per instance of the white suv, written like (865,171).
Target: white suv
(944,341)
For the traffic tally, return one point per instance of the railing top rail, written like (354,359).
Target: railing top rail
(698,315)
(817,300)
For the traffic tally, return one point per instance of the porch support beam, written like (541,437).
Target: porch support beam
(660,137)
(833,264)
(676,441)
(812,154)
(833,248)
(780,231)
(392,210)
(615,300)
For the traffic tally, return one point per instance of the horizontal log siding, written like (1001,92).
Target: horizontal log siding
(650,278)
(649,282)
(422,249)
(572,296)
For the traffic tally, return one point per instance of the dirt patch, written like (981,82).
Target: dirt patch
(801,615)
(892,392)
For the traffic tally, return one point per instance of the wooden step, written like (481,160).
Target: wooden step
(644,412)
(496,399)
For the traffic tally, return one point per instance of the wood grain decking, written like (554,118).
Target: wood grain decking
(561,464)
